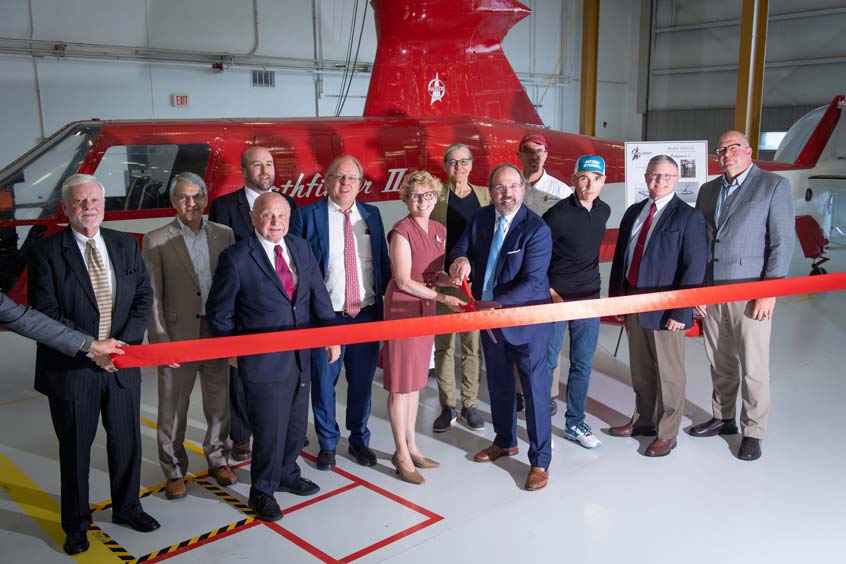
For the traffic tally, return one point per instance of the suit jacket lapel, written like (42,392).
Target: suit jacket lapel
(260,257)
(668,212)
(76,263)
(513,233)
(215,245)
(117,256)
(244,211)
(177,242)
(743,193)
(321,223)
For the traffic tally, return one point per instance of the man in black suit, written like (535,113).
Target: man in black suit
(270,281)
(92,280)
(233,210)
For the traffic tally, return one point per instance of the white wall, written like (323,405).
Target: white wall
(42,94)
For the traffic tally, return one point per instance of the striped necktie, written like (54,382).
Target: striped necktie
(352,297)
(100,283)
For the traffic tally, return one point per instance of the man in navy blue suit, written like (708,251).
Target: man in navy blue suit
(233,210)
(508,247)
(661,246)
(269,281)
(348,241)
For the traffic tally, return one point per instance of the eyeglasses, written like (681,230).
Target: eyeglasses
(528,151)
(502,188)
(186,197)
(729,149)
(659,177)
(420,196)
(452,163)
(351,178)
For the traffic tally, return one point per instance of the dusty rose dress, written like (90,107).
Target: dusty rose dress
(406,361)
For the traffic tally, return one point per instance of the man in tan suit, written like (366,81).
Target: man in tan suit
(181,258)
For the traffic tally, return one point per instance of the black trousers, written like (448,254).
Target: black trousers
(75,422)
(238,418)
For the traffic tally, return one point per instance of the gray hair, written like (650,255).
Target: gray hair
(455,147)
(658,159)
(76,180)
(188,178)
(502,166)
(333,166)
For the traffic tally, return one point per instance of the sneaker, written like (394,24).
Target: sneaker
(521,402)
(553,407)
(444,420)
(471,418)
(581,434)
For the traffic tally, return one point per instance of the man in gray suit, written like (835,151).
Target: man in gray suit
(749,219)
(181,258)
(37,326)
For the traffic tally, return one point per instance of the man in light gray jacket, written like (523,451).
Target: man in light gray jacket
(749,217)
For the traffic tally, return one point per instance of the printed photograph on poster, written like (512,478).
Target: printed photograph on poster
(691,156)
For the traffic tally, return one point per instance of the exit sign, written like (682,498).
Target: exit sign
(179,100)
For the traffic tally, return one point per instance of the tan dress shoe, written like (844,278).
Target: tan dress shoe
(413,477)
(493,452)
(660,447)
(223,475)
(176,489)
(424,462)
(538,478)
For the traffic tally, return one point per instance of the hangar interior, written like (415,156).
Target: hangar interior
(667,70)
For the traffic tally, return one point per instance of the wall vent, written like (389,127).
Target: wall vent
(264,78)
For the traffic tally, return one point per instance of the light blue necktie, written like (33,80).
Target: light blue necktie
(496,246)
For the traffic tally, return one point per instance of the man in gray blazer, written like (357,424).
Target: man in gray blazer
(37,326)
(750,221)
(181,258)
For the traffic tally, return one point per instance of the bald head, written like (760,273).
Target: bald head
(271,215)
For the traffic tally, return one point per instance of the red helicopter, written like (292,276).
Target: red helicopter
(428,90)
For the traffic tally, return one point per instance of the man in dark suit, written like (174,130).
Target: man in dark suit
(750,220)
(92,280)
(271,282)
(348,241)
(661,246)
(233,210)
(37,326)
(509,248)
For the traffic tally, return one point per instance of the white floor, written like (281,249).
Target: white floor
(698,505)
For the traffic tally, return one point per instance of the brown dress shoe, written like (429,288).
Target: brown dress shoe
(241,450)
(223,475)
(631,430)
(538,478)
(424,462)
(412,477)
(176,489)
(660,447)
(493,452)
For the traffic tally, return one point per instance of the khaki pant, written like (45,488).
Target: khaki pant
(656,359)
(445,361)
(738,349)
(174,391)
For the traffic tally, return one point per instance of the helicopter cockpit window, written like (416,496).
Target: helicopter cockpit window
(136,177)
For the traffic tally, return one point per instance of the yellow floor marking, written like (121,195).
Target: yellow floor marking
(189,445)
(13,402)
(807,298)
(44,510)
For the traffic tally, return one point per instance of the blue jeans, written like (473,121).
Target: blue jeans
(584,336)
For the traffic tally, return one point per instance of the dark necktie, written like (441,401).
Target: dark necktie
(284,273)
(637,256)
(352,297)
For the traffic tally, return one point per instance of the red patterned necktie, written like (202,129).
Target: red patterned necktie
(352,298)
(284,273)
(637,256)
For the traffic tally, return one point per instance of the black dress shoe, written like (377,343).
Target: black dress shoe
(141,522)
(265,507)
(750,449)
(363,455)
(303,486)
(305,444)
(521,402)
(714,427)
(76,543)
(553,407)
(325,459)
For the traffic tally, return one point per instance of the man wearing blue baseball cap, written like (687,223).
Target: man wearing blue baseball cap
(578,229)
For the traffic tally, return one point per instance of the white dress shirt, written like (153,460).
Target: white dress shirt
(336,280)
(545,193)
(198,250)
(82,241)
(638,224)
(269,250)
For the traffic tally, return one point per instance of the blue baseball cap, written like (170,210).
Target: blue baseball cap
(590,163)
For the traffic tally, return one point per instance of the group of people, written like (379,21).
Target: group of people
(260,264)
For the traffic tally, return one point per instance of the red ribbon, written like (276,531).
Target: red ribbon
(242,345)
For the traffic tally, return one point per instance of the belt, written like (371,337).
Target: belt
(345,314)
